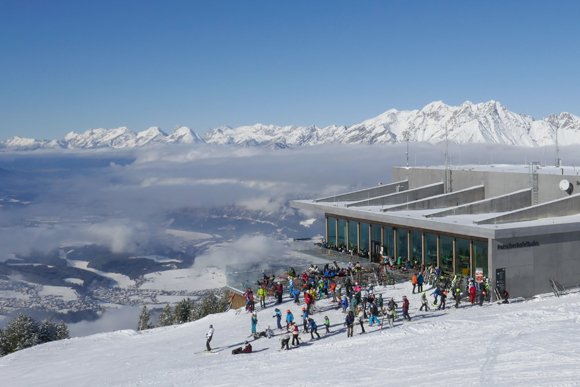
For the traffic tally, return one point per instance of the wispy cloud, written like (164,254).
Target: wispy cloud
(123,199)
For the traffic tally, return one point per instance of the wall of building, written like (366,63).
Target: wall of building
(531,262)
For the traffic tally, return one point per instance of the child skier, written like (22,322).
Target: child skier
(278,315)
(254,323)
(424,302)
(289,319)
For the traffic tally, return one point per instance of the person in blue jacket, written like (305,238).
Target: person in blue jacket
(295,293)
(254,322)
(313,328)
(436,293)
(344,303)
(278,315)
(289,318)
(420,280)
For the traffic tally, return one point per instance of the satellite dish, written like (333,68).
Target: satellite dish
(566,186)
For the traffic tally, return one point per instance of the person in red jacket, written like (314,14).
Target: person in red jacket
(295,334)
(472,293)
(279,292)
(246,349)
(308,301)
(406,308)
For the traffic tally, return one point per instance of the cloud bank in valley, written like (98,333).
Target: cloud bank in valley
(124,199)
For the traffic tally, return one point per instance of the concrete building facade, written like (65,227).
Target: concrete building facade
(519,226)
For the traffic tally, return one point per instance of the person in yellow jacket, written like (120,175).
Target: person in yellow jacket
(262,296)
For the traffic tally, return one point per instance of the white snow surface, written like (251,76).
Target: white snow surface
(66,293)
(523,344)
(194,278)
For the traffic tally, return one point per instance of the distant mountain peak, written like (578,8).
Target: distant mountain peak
(484,122)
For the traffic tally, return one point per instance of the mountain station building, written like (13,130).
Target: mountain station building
(517,225)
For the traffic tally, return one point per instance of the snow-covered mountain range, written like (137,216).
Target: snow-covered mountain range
(488,122)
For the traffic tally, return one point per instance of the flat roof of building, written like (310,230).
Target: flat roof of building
(513,168)
(463,212)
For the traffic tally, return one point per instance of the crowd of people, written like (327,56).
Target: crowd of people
(346,291)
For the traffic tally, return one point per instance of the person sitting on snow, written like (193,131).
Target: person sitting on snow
(247,348)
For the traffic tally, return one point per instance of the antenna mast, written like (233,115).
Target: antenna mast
(446,185)
(406,136)
(558,161)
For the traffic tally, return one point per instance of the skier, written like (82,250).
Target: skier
(249,295)
(391,312)
(424,302)
(304,320)
(406,308)
(457,297)
(344,303)
(295,333)
(436,293)
(505,296)
(209,336)
(278,315)
(262,296)
(313,328)
(308,300)
(420,280)
(374,315)
(482,296)
(327,324)
(381,304)
(254,323)
(246,349)
(361,318)
(279,292)
(285,341)
(332,287)
(349,322)
(443,298)
(295,293)
(414,282)
(472,293)
(289,319)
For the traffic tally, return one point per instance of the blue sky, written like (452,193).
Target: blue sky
(76,65)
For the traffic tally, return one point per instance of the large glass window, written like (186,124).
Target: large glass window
(331,227)
(446,253)
(375,242)
(462,255)
(388,241)
(352,235)
(402,235)
(430,249)
(341,239)
(416,247)
(364,238)
(480,254)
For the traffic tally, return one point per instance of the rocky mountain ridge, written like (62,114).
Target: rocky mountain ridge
(488,122)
